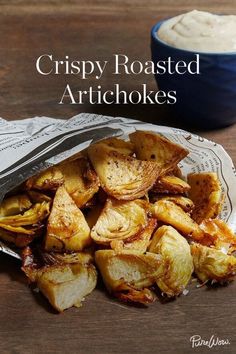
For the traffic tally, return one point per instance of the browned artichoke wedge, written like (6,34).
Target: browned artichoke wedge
(67,228)
(34,215)
(22,229)
(122,176)
(64,279)
(154,147)
(14,205)
(120,220)
(185,203)
(212,264)
(177,259)
(218,234)
(80,180)
(206,194)
(49,179)
(170,185)
(122,146)
(18,239)
(138,242)
(66,285)
(172,214)
(128,274)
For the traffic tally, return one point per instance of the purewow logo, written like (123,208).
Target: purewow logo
(198,341)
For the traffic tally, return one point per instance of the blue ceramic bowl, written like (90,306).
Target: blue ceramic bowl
(207,100)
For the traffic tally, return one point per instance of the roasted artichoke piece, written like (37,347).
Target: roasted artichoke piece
(66,285)
(64,279)
(172,214)
(122,146)
(80,180)
(128,275)
(206,194)
(21,229)
(67,228)
(212,264)
(154,147)
(34,215)
(122,176)
(171,185)
(185,203)
(35,260)
(50,179)
(18,239)
(14,205)
(138,242)
(177,260)
(218,234)
(120,220)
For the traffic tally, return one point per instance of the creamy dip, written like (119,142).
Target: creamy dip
(200,31)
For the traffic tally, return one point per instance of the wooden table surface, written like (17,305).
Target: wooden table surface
(95,30)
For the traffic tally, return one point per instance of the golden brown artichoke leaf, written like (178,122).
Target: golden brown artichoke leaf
(128,269)
(120,220)
(218,234)
(34,215)
(120,145)
(80,180)
(14,205)
(172,214)
(50,179)
(171,185)
(185,203)
(212,264)
(35,260)
(138,242)
(177,260)
(128,293)
(121,176)
(18,239)
(21,229)
(154,147)
(206,194)
(67,228)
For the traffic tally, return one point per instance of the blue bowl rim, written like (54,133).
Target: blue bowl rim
(184,51)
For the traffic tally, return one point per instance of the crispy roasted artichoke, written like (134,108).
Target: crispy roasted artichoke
(129,274)
(49,179)
(171,214)
(120,220)
(64,279)
(67,228)
(122,176)
(206,195)
(122,146)
(80,180)
(21,229)
(212,264)
(177,260)
(154,147)
(171,185)
(185,203)
(34,215)
(218,234)
(67,285)
(15,205)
